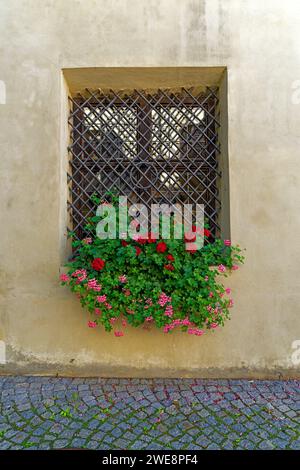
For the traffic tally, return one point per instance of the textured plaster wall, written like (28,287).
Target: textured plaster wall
(41,324)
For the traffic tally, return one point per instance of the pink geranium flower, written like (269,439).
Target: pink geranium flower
(93,285)
(118,333)
(235,267)
(64,278)
(80,274)
(228,290)
(227,242)
(186,322)
(221,268)
(169,311)
(163,299)
(92,324)
(101,298)
(123,279)
(195,331)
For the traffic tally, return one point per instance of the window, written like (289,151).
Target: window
(154,148)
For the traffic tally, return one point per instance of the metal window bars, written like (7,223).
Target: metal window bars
(153,148)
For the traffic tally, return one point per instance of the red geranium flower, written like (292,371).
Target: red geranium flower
(192,248)
(189,237)
(169,267)
(98,264)
(207,233)
(152,237)
(142,240)
(138,250)
(124,243)
(170,258)
(161,247)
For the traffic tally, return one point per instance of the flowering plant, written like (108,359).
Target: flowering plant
(149,281)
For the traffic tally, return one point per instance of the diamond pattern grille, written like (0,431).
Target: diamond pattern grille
(158,148)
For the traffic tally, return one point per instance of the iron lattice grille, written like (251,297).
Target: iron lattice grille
(158,148)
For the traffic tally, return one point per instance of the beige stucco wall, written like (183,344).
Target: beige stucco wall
(42,325)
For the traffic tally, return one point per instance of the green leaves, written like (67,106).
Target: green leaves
(192,284)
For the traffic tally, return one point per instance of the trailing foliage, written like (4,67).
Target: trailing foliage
(149,281)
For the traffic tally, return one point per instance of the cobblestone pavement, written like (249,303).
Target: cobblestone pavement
(51,413)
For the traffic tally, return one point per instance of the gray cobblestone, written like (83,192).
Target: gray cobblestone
(60,443)
(48,413)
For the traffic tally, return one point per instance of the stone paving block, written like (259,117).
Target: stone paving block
(116,432)
(67,434)
(9,434)
(83,433)
(44,446)
(222,429)
(120,444)
(213,446)
(5,445)
(266,445)
(136,446)
(218,438)
(227,445)
(60,443)
(74,425)
(292,414)
(92,444)
(193,431)
(294,445)
(94,424)
(246,444)
(77,442)
(211,420)
(203,413)
(39,431)
(4,427)
(50,437)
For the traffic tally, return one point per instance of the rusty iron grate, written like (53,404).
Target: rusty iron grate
(153,148)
